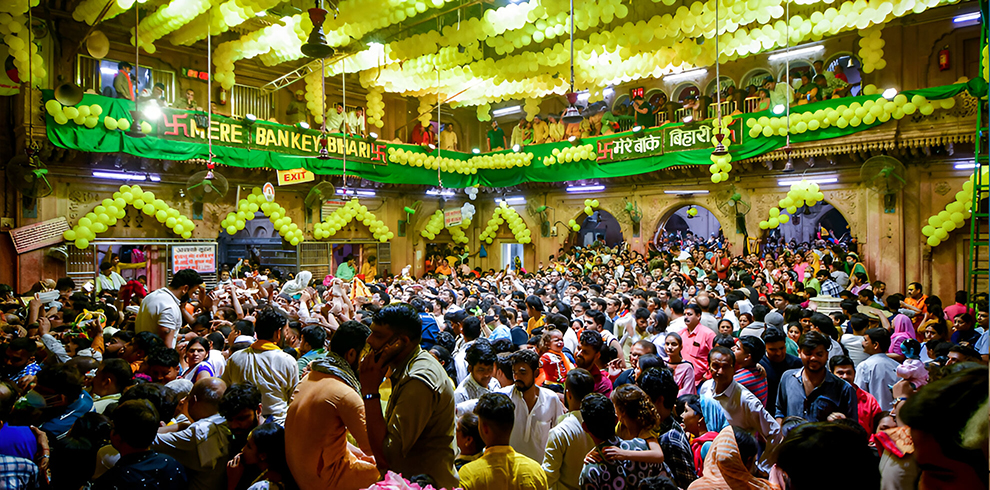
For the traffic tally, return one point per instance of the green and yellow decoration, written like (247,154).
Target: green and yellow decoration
(254,202)
(435,225)
(803,193)
(504,214)
(350,211)
(109,211)
(954,215)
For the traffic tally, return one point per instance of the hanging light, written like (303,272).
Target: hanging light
(789,166)
(572,115)
(316,46)
(720,150)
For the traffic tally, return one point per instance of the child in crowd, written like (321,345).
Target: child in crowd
(553,363)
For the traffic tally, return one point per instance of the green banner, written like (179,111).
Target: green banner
(180,135)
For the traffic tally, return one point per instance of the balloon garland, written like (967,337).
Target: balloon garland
(375,107)
(20,39)
(871,49)
(954,215)
(721,164)
(435,225)
(347,213)
(570,154)
(247,207)
(274,44)
(505,214)
(573,225)
(109,211)
(803,193)
(410,158)
(167,18)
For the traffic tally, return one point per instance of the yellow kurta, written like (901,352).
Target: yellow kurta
(540,132)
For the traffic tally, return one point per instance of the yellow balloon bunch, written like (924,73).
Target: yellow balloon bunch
(505,214)
(985,62)
(484,112)
(376,107)
(88,10)
(274,44)
(348,212)
(109,211)
(871,49)
(573,225)
(692,211)
(402,156)
(84,115)
(19,40)
(571,154)
(532,108)
(721,165)
(435,225)
(954,215)
(314,96)
(802,193)
(590,205)
(166,19)
(426,108)
(254,202)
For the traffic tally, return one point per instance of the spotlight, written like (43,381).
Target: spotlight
(779,109)
(303,124)
(476,151)
(516,148)
(250,118)
(638,131)
(151,110)
(889,93)
(431,146)
(688,118)
(373,136)
(574,141)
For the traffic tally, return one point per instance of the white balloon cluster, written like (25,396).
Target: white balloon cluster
(472,193)
(246,209)
(274,44)
(88,10)
(954,215)
(350,211)
(467,210)
(505,214)
(109,211)
(871,49)
(20,41)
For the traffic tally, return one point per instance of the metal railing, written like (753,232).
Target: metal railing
(728,107)
(251,100)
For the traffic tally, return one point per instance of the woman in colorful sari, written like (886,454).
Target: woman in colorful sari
(729,462)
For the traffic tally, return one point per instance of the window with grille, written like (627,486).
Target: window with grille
(98,74)
(251,100)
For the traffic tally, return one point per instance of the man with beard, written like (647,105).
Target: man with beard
(587,357)
(161,311)
(325,408)
(537,408)
(811,392)
(416,433)
(274,372)
(241,409)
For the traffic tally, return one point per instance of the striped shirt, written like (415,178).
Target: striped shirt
(751,379)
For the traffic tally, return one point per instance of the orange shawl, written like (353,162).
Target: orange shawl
(724,468)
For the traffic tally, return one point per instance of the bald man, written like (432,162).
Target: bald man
(707,318)
(202,447)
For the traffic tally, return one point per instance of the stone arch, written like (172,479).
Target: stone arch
(726,82)
(655,93)
(613,229)
(820,215)
(620,101)
(747,79)
(671,210)
(854,74)
(682,90)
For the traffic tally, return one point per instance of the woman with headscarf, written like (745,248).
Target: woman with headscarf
(903,330)
(729,462)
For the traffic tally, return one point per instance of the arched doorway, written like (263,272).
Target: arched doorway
(656,98)
(821,222)
(259,242)
(756,77)
(850,66)
(600,226)
(797,68)
(724,83)
(686,223)
(686,91)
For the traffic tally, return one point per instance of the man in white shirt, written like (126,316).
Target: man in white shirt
(161,311)
(470,330)
(742,408)
(676,310)
(878,372)
(480,360)
(853,342)
(108,279)
(537,408)
(335,119)
(263,364)
(569,443)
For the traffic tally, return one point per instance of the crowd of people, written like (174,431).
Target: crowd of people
(687,368)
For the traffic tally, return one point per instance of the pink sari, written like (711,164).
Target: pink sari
(903,330)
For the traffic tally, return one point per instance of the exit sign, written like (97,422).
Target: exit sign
(636,92)
(190,73)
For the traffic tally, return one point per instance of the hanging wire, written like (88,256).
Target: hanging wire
(343,84)
(437,141)
(787,73)
(718,78)
(209,87)
(30,88)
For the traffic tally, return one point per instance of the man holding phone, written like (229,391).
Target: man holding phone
(416,434)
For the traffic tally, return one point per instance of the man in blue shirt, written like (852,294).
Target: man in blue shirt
(811,392)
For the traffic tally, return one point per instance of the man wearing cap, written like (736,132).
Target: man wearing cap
(296,111)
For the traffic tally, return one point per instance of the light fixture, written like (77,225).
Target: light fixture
(431,146)
(438,192)
(794,53)
(789,166)
(638,131)
(684,75)
(125,176)
(505,111)
(959,19)
(572,116)
(316,45)
(824,179)
(303,124)
(516,147)
(356,192)
(476,151)
(779,109)
(511,200)
(574,141)
(720,150)
(688,118)
(964,166)
(686,192)
(250,118)
(151,110)
(890,93)
(373,135)
(585,188)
